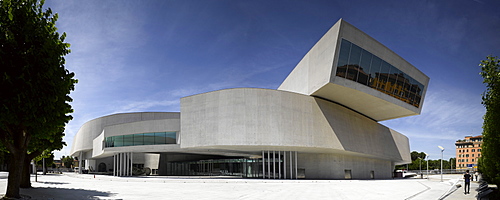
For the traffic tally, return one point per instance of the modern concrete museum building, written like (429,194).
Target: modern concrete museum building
(321,123)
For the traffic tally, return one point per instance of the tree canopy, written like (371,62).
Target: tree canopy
(489,164)
(34,83)
(67,161)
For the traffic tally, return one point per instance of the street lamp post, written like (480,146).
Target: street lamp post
(442,149)
(427,156)
(420,165)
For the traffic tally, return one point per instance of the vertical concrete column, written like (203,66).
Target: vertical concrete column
(131,163)
(120,160)
(125,164)
(284,164)
(80,161)
(117,164)
(296,167)
(279,164)
(114,164)
(127,160)
(291,165)
(269,164)
(274,166)
(263,166)
(121,164)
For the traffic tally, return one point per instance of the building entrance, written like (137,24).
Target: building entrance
(243,167)
(272,165)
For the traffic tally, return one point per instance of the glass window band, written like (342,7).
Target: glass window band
(359,65)
(141,139)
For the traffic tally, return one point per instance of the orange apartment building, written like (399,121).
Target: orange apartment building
(468,151)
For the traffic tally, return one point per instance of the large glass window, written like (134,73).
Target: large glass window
(353,65)
(364,68)
(128,140)
(138,139)
(141,139)
(118,141)
(345,49)
(160,138)
(171,137)
(384,73)
(375,70)
(357,64)
(149,138)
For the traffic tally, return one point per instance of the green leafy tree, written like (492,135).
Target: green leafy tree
(416,158)
(34,83)
(67,161)
(49,159)
(490,152)
(416,155)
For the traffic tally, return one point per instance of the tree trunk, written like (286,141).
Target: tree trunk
(26,177)
(18,149)
(15,172)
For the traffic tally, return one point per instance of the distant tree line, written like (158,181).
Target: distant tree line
(418,161)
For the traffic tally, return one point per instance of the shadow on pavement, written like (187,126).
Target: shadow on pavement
(52,183)
(63,193)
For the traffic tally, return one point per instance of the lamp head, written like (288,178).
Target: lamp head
(442,148)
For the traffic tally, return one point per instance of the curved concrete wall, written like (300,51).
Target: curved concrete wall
(83,140)
(249,119)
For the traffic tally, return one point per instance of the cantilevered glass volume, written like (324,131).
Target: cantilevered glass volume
(357,64)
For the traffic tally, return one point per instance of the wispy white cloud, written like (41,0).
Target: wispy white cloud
(100,43)
(449,113)
(139,106)
(101,37)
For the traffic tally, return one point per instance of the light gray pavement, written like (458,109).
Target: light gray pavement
(85,186)
(459,194)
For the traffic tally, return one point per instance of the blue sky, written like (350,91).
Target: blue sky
(132,56)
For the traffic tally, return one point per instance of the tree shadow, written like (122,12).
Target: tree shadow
(63,193)
(52,183)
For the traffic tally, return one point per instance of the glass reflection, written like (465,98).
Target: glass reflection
(359,65)
(141,139)
(343,58)
(149,138)
(138,139)
(128,140)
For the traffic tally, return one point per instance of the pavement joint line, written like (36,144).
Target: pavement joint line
(453,188)
(413,196)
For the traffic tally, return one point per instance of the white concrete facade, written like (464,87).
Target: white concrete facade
(316,125)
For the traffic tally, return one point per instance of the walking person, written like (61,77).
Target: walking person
(467,178)
(476,174)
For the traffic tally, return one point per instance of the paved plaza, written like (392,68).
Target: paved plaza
(85,186)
